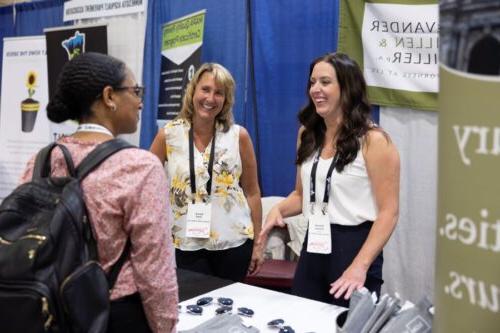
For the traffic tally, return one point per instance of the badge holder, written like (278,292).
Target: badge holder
(198,220)
(319,233)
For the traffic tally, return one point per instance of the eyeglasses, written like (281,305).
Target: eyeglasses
(279,323)
(137,89)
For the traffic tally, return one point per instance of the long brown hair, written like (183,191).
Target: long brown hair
(356,120)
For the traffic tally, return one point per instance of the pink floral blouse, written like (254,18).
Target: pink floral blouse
(126,196)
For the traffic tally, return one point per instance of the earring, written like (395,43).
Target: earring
(113,107)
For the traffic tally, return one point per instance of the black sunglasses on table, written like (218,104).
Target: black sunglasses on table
(280,323)
(225,306)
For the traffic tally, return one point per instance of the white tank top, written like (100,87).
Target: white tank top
(351,199)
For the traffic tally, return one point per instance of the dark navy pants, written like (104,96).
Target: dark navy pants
(315,272)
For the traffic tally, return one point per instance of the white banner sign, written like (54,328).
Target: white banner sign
(84,9)
(400,46)
(24,127)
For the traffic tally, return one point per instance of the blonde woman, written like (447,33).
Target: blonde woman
(212,172)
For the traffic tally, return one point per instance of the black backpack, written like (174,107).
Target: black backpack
(50,280)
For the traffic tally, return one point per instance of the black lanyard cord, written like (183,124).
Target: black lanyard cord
(192,175)
(312,189)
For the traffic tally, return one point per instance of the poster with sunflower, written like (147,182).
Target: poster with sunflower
(29,106)
(24,127)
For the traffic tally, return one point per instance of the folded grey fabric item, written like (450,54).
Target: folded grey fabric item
(359,314)
(379,308)
(387,310)
(225,323)
(416,319)
(356,297)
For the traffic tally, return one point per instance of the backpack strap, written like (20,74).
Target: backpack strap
(42,167)
(116,268)
(99,154)
(89,163)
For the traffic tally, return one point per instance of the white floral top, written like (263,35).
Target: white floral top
(231,224)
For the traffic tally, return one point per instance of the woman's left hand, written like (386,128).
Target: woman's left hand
(257,259)
(352,279)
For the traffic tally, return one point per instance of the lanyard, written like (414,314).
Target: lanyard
(90,127)
(312,189)
(191,164)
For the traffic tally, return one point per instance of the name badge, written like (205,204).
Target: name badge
(319,235)
(198,220)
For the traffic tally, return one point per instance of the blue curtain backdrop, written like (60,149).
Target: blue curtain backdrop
(29,20)
(224,42)
(286,36)
(158,12)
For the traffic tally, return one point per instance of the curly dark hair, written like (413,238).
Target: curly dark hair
(355,107)
(81,83)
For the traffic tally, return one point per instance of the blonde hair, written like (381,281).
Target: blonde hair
(222,77)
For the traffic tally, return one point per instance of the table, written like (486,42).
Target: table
(304,315)
(192,284)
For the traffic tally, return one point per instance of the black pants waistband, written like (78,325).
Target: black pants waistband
(362,226)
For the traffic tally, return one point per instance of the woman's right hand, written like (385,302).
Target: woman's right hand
(273,219)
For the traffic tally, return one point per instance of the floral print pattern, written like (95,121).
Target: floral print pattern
(231,224)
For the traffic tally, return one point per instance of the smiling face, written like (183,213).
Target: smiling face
(325,91)
(128,106)
(208,98)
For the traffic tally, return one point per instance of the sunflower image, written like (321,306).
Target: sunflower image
(29,107)
(31,83)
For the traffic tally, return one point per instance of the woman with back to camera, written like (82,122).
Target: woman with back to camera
(212,172)
(347,186)
(125,195)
